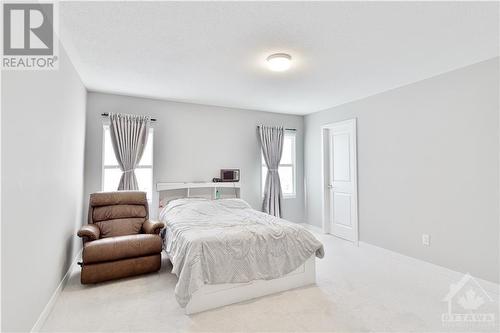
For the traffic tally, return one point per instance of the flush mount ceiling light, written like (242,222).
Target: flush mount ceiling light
(279,62)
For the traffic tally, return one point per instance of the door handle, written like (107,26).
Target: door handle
(330,186)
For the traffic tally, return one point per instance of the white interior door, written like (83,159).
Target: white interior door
(342,180)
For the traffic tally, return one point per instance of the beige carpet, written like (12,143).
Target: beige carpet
(358,289)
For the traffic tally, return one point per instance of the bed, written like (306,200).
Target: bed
(224,252)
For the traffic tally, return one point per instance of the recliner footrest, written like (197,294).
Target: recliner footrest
(105,271)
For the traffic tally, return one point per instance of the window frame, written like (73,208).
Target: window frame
(103,158)
(292,195)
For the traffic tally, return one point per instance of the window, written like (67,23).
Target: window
(111,171)
(286,168)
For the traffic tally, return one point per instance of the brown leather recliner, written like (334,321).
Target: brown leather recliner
(119,239)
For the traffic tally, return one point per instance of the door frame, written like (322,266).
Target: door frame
(325,167)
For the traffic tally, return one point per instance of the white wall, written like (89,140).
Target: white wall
(428,163)
(43,136)
(193,142)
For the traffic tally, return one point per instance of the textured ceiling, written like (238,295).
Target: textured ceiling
(214,52)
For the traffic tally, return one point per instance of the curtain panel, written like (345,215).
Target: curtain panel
(271,139)
(129,135)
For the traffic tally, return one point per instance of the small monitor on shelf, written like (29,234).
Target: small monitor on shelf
(230,175)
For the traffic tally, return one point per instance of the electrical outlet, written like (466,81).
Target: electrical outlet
(426,240)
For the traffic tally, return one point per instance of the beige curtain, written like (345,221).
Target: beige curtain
(271,139)
(129,135)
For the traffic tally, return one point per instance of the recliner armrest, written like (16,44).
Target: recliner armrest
(89,231)
(152,227)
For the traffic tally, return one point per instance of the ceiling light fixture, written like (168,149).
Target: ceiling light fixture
(279,62)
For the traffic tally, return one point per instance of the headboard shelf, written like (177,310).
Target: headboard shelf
(178,186)
(169,191)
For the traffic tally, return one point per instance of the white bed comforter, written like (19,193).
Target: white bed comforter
(226,241)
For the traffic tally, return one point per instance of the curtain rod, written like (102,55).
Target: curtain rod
(107,115)
(153,119)
(286,129)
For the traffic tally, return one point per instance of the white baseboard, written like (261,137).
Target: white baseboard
(454,276)
(52,301)
(312,227)
(491,287)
